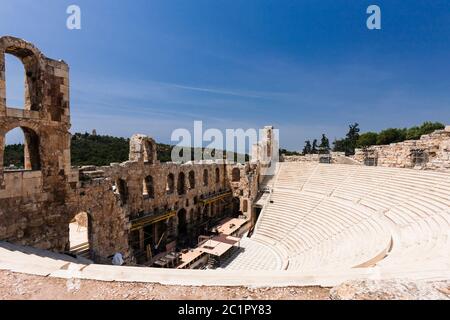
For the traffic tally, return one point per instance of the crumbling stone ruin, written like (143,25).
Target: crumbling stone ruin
(331,157)
(322,221)
(32,200)
(430,152)
(132,207)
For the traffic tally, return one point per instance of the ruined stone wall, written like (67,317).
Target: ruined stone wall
(303,158)
(108,220)
(245,185)
(135,173)
(32,200)
(266,150)
(433,148)
(311,157)
(37,204)
(174,187)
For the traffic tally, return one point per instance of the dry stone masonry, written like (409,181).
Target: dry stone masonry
(323,223)
(131,207)
(332,157)
(430,152)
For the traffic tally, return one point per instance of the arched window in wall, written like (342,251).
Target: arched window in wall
(22,81)
(191,179)
(148,188)
(181,185)
(205,177)
(236,175)
(14,82)
(21,150)
(217,175)
(149,152)
(170,185)
(122,190)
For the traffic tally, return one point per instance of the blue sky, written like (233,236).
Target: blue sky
(306,67)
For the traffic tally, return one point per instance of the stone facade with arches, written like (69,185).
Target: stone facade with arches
(43,185)
(129,206)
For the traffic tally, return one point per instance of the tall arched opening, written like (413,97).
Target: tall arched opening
(148,188)
(205,177)
(170,184)
(181,184)
(236,175)
(21,150)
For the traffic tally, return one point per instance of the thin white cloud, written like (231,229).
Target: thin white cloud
(216,91)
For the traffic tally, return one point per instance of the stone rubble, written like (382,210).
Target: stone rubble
(391,290)
(434,148)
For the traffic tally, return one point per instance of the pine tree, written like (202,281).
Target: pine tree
(352,139)
(314,147)
(307,148)
(324,144)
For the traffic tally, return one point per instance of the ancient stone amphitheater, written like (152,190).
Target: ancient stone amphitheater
(309,223)
(321,225)
(328,219)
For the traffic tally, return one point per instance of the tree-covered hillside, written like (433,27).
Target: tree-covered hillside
(354,139)
(13,156)
(99,150)
(88,149)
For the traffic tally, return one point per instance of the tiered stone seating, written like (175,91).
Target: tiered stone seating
(327,178)
(253,255)
(293,206)
(363,181)
(331,232)
(293,176)
(341,216)
(358,245)
(421,240)
(323,224)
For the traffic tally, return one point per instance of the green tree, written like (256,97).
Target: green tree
(339,145)
(352,138)
(14,156)
(349,143)
(324,144)
(367,139)
(87,149)
(289,153)
(427,127)
(314,147)
(413,133)
(307,149)
(391,135)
